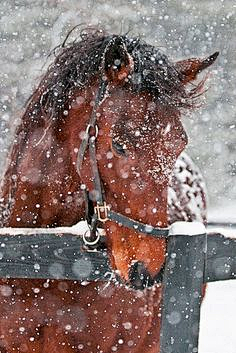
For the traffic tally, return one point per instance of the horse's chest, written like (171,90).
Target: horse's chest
(100,318)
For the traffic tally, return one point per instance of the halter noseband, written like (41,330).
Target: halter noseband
(102,211)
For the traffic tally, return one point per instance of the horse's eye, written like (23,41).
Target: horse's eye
(118,148)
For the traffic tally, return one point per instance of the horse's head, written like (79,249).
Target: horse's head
(129,97)
(140,136)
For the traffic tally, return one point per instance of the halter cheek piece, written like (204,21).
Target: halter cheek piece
(102,212)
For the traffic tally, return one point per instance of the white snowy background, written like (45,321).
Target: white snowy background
(30,29)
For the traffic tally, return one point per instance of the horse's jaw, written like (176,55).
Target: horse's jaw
(127,247)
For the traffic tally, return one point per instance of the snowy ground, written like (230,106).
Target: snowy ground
(218,312)
(218,318)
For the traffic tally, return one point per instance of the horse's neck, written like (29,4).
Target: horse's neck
(41,185)
(40,182)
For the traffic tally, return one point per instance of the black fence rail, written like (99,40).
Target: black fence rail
(191,261)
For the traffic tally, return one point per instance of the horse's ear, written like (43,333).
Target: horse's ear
(190,68)
(118,63)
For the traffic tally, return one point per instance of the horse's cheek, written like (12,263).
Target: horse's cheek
(151,252)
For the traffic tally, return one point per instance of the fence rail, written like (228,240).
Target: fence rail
(63,256)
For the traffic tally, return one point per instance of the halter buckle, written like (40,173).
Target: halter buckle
(88,241)
(102,212)
(89,128)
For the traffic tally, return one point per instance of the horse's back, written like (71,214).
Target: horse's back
(187,192)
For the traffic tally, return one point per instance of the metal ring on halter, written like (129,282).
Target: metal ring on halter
(91,126)
(93,242)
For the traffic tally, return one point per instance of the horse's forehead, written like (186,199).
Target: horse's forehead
(139,108)
(123,106)
(128,103)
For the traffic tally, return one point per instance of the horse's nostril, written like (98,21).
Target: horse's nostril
(139,276)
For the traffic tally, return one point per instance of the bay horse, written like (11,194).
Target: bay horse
(102,132)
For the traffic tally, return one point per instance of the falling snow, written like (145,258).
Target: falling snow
(28,32)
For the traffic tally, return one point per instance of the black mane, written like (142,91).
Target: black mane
(78,63)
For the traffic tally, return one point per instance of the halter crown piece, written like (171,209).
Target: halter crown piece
(101,211)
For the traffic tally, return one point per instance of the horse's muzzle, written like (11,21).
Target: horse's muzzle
(140,277)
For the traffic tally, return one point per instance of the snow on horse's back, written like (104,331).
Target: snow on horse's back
(187,194)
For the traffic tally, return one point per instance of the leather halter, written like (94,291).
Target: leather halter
(102,212)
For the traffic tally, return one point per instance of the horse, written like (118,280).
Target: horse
(98,140)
